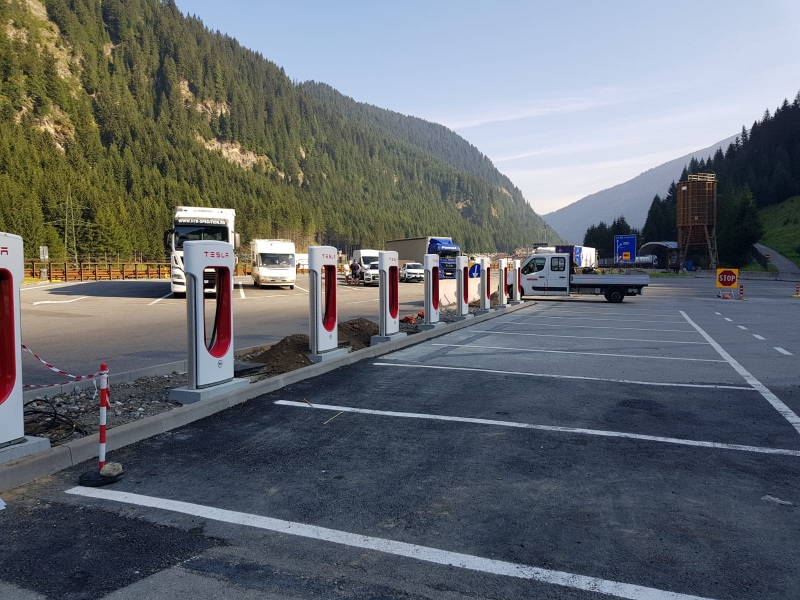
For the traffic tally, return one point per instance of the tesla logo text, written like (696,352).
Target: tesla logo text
(4,250)
(216,254)
(328,256)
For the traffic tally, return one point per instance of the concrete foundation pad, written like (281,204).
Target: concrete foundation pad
(29,445)
(329,355)
(501,307)
(463,318)
(515,303)
(380,339)
(186,396)
(429,326)
(484,311)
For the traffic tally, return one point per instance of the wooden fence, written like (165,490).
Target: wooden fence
(97,271)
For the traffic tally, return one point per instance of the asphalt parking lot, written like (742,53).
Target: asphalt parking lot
(572,449)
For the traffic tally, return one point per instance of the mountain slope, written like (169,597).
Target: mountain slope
(631,199)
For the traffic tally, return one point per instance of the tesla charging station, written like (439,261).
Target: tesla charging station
(516,283)
(209,364)
(323,323)
(462,289)
(486,287)
(13,443)
(389,299)
(430,262)
(502,284)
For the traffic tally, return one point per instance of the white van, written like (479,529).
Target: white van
(273,263)
(365,258)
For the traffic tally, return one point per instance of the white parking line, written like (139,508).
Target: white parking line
(782,351)
(359,540)
(622,318)
(562,326)
(776,402)
(584,337)
(579,377)
(363,301)
(160,299)
(552,428)
(601,313)
(758,337)
(728,320)
(49,285)
(742,327)
(575,352)
(241,290)
(716,313)
(59,301)
(303,289)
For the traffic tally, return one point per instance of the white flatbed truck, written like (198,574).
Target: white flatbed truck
(553,275)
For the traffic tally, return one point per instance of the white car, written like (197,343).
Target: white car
(412,272)
(372,274)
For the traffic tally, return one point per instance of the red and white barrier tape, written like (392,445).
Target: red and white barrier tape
(57,370)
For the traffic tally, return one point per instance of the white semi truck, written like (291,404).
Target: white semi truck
(197,223)
(274,262)
(554,275)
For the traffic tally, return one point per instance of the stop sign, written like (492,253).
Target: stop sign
(727,278)
(766,256)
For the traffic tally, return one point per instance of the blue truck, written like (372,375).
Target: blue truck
(413,249)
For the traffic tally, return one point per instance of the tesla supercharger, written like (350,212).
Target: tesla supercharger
(388,298)
(13,443)
(209,365)
(516,283)
(323,323)
(502,284)
(486,287)
(430,263)
(462,288)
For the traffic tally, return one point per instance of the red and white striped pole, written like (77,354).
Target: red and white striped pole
(104,406)
(741,291)
(797,291)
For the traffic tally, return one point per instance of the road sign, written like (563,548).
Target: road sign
(44,253)
(475,271)
(766,256)
(624,249)
(727,278)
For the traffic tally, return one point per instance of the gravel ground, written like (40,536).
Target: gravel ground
(68,416)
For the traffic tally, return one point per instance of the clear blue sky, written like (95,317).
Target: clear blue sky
(566,98)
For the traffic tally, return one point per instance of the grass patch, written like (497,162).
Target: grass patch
(782,228)
(755,267)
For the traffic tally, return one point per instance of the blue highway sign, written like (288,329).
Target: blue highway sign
(475,271)
(624,249)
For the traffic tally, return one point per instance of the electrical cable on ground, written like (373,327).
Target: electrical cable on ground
(51,423)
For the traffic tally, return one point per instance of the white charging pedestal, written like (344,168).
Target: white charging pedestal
(323,323)
(389,300)
(516,283)
(486,287)
(430,262)
(502,284)
(209,365)
(13,443)
(462,289)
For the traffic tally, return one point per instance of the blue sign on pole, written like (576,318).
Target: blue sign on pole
(475,271)
(624,249)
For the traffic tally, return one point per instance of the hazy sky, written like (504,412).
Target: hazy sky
(566,98)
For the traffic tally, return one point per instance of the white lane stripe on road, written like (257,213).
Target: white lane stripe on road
(241,290)
(551,428)
(603,313)
(303,289)
(541,316)
(562,326)
(716,313)
(404,549)
(742,327)
(782,351)
(59,301)
(578,377)
(714,360)
(49,285)
(729,320)
(363,301)
(584,337)
(776,402)
(159,300)
(758,337)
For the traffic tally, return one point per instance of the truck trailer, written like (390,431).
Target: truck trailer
(414,249)
(554,275)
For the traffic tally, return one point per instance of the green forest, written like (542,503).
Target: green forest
(760,169)
(112,113)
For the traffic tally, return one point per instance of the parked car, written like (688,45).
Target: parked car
(412,272)
(371,274)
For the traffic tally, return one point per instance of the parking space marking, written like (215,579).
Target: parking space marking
(776,402)
(385,546)
(622,318)
(728,320)
(585,337)
(363,301)
(716,313)
(782,351)
(160,299)
(758,337)
(303,289)
(636,314)
(551,428)
(579,377)
(742,327)
(241,290)
(577,352)
(593,327)
(59,301)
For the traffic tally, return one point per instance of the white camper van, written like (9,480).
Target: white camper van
(365,258)
(273,263)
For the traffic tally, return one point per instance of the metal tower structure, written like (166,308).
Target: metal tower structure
(697,216)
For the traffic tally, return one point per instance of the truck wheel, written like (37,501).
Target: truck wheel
(615,295)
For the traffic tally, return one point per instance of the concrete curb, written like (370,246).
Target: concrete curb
(19,472)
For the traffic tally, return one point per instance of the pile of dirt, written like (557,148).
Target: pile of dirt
(292,351)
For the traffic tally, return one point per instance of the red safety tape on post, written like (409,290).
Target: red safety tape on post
(56,370)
